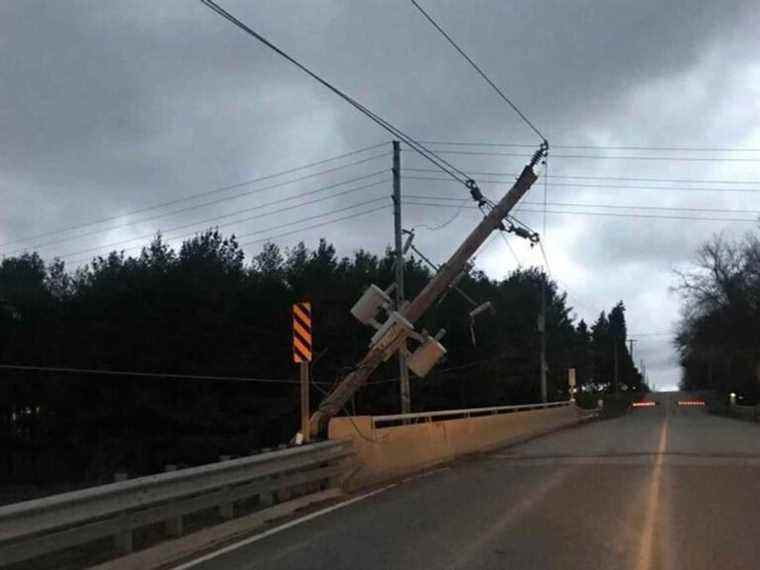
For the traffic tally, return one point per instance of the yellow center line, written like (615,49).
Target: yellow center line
(646,548)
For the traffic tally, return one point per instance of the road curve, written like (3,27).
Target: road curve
(660,488)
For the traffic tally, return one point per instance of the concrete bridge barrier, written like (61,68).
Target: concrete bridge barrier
(392,446)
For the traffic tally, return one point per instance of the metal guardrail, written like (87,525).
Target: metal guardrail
(745,412)
(41,526)
(396,419)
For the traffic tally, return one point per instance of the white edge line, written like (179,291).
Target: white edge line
(285,526)
(425,474)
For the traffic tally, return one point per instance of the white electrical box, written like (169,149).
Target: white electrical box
(369,304)
(391,334)
(425,357)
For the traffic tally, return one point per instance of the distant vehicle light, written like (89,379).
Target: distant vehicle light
(691,403)
(644,404)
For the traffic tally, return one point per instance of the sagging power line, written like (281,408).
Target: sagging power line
(430,155)
(480,72)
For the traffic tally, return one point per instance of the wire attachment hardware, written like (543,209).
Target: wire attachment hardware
(525,233)
(542,152)
(475,192)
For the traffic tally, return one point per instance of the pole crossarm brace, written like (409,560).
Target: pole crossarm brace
(438,285)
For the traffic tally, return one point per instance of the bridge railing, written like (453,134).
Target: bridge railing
(391,446)
(751,413)
(441,415)
(57,522)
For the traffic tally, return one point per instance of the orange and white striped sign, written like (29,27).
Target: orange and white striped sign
(302,332)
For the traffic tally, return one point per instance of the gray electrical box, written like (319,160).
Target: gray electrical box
(425,357)
(389,337)
(369,304)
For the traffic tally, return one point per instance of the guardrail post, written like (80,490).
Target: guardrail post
(284,494)
(123,540)
(173,527)
(226,510)
(266,499)
(346,463)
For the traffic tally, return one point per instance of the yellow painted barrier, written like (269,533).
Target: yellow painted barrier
(388,452)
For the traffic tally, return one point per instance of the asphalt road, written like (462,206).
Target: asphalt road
(663,487)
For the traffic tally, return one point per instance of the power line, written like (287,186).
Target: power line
(669,188)
(612,206)
(168,375)
(602,156)
(431,156)
(610,214)
(601,186)
(479,70)
(238,212)
(435,373)
(510,248)
(219,190)
(448,221)
(651,334)
(543,254)
(313,226)
(295,222)
(597,147)
(617,178)
(316,216)
(352,216)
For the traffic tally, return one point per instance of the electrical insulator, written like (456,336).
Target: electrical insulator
(522,232)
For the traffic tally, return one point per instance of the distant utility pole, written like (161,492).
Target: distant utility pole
(438,285)
(406,395)
(542,340)
(615,356)
(631,342)
(643,370)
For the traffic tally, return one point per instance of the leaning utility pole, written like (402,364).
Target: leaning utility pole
(403,371)
(441,281)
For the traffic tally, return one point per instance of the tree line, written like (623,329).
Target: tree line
(718,337)
(205,310)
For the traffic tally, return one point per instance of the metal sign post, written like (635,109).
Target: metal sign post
(302,356)
(571,383)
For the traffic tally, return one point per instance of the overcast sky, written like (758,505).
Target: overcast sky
(110,107)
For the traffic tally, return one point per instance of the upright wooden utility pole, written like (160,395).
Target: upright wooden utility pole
(403,371)
(334,402)
(542,339)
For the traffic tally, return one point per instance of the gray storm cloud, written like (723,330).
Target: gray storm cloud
(109,107)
